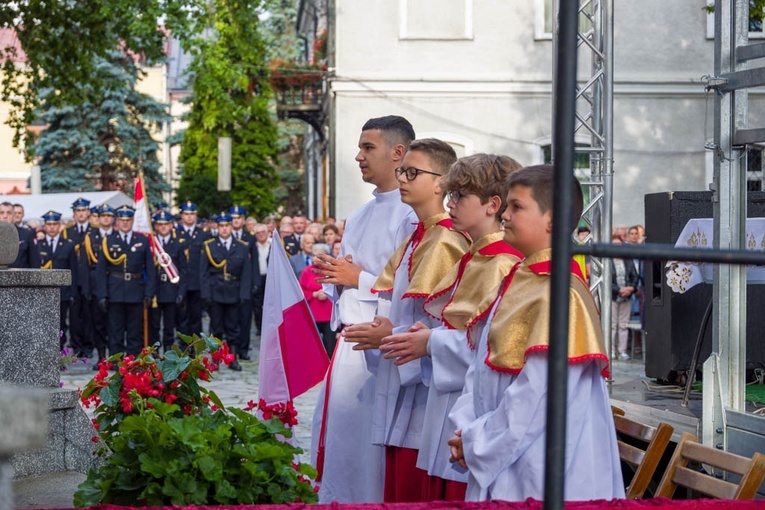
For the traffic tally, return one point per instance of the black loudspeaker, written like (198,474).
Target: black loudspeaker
(673,321)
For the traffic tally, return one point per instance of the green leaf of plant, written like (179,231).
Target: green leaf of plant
(211,468)
(110,395)
(88,492)
(150,465)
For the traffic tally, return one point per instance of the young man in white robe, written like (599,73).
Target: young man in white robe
(351,467)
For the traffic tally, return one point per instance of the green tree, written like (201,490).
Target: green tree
(63,41)
(101,143)
(230,98)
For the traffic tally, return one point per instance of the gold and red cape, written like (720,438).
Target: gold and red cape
(468,290)
(520,325)
(436,248)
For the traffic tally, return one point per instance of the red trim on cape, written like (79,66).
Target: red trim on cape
(605,373)
(379,291)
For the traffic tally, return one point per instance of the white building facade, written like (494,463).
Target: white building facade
(478,74)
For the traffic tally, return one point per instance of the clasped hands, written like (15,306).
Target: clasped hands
(378,334)
(338,271)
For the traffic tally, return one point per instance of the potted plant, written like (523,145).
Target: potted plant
(167,440)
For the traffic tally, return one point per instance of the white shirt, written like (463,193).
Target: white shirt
(82,227)
(263,251)
(353,466)
(105,233)
(225,242)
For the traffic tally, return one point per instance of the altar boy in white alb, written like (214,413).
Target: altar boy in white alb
(500,419)
(350,466)
(476,186)
(409,277)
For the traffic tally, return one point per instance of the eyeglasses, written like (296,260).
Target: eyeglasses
(455,196)
(412,172)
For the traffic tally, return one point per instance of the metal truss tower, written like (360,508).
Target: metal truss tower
(594,120)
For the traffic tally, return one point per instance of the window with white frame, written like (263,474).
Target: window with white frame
(436,19)
(755,26)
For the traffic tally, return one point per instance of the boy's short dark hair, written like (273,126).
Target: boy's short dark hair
(396,130)
(483,175)
(440,153)
(540,179)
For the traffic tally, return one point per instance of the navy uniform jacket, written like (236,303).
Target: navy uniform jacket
(87,261)
(193,247)
(166,290)
(235,283)
(291,245)
(72,232)
(129,281)
(26,248)
(63,258)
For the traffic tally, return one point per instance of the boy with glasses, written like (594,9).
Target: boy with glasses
(477,188)
(409,277)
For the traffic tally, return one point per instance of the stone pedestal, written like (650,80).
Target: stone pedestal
(29,356)
(24,425)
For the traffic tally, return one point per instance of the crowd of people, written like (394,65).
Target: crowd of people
(437,292)
(218,267)
(627,289)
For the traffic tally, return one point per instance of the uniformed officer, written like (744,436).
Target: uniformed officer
(226,278)
(90,253)
(170,294)
(55,252)
(26,238)
(81,338)
(238,231)
(126,283)
(190,321)
(93,218)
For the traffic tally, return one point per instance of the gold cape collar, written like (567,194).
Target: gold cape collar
(468,290)
(520,324)
(436,247)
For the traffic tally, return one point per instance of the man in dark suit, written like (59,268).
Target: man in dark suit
(26,238)
(193,237)
(303,259)
(226,278)
(80,330)
(238,231)
(261,251)
(88,258)
(290,242)
(127,283)
(55,252)
(170,293)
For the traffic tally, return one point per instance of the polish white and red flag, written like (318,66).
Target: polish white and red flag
(141,220)
(292,357)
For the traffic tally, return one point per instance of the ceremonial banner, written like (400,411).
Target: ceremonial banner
(142,224)
(292,356)
(141,220)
